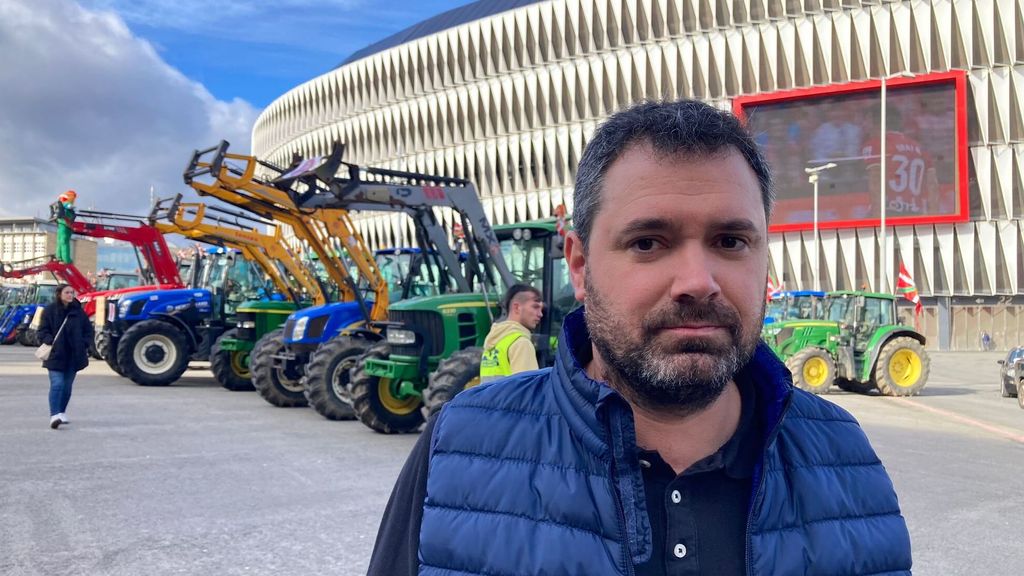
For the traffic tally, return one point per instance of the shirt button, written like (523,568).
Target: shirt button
(676,497)
(679,551)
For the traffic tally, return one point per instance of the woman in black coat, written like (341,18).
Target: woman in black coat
(70,352)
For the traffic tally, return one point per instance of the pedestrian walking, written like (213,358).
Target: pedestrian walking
(667,438)
(65,327)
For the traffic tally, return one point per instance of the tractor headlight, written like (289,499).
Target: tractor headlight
(122,308)
(247,324)
(1011,372)
(299,331)
(401,337)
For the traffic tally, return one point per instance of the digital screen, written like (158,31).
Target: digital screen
(921,158)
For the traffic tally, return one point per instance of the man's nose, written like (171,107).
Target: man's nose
(693,273)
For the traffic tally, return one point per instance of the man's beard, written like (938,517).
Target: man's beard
(684,376)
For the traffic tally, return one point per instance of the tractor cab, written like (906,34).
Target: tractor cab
(795,305)
(534,253)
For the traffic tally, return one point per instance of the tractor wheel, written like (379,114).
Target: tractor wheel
(100,339)
(25,338)
(902,367)
(108,349)
(375,404)
(231,369)
(1020,394)
(454,374)
(153,353)
(279,386)
(327,377)
(813,370)
(855,386)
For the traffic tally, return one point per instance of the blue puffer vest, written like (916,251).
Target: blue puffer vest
(538,474)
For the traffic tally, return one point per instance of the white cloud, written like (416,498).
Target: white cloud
(87,105)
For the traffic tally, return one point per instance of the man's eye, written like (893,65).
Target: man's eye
(644,245)
(733,243)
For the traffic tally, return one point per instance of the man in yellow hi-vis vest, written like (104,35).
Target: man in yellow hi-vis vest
(508,348)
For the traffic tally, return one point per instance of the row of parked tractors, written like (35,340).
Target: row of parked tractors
(318,318)
(387,336)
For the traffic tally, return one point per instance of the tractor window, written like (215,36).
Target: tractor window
(775,309)
(839,310)
(563,300)
(119,281)
(45,294)
(397,270)
(877,312)
(525,259)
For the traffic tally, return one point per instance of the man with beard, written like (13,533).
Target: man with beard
(666,439)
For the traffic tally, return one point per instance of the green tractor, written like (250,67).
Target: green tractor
(432,345)
(857,345)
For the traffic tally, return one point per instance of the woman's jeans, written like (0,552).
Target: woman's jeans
(60,390)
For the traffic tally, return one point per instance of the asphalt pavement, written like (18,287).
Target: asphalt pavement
(193,479)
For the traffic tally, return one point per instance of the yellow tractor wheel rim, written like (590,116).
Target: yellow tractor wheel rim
(394,405)
(240,364)
(472,383)
(905,368)
(815,372)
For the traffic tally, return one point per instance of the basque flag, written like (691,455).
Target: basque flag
(905,286)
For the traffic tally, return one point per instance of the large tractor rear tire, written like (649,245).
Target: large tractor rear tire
(813,370)
(327,377)
(454,374)
(231,368)
(277,385)
(902,367)
(375,404)
(153,353)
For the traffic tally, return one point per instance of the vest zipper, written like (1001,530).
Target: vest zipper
(627,556)
(758,489)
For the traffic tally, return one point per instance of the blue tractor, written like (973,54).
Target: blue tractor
(17,321)
(154,335)
(795,305)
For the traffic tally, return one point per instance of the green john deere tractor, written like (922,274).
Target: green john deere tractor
(857,345)
(432,345)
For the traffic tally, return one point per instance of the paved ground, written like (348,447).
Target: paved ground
(193,479)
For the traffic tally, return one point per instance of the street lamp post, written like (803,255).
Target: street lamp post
(812,177)
(883,272)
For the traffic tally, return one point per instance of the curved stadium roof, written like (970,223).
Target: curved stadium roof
(443,21)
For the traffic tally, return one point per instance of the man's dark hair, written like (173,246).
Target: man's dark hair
(687,127)
(56,295)
(516,290)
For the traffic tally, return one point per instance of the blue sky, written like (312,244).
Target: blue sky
(259,50)
(110,97)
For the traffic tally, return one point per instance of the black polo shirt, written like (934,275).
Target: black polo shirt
(698,518)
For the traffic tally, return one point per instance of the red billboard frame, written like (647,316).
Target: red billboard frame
(956,77)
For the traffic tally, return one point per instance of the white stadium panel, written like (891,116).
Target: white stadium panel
(510,98)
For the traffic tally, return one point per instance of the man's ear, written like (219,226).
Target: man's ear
(576,259)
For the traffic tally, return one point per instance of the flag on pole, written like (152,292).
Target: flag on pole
(560,223)
(905,286)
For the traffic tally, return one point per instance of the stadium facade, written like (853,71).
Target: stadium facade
(506,93)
